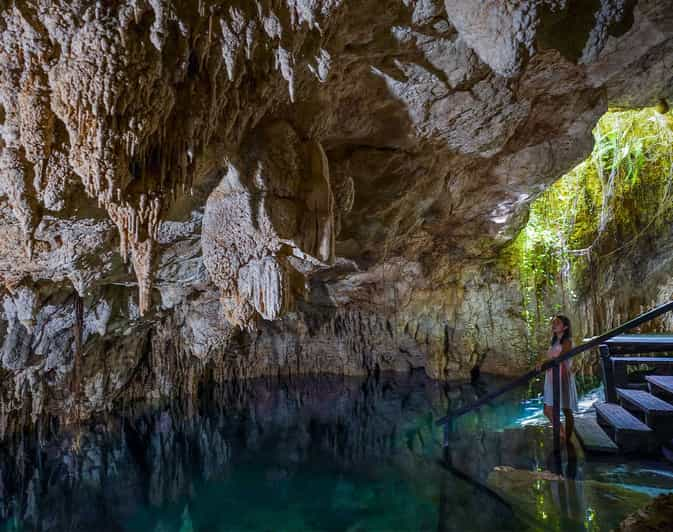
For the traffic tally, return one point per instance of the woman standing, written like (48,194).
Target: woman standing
(561,343)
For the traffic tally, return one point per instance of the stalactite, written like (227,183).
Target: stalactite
(141,257)
(76,383)
(129,222)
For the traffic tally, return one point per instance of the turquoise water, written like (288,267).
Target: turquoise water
(318,454)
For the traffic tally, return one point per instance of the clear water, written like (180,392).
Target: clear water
(318,454)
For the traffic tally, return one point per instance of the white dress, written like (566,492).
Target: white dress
(568,387)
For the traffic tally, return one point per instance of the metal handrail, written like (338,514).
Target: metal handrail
(555,362)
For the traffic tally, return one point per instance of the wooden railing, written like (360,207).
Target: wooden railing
(554,365)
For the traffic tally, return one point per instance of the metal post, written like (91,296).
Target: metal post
(556,408)
(608,374)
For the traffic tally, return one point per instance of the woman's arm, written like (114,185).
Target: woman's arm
(556,351)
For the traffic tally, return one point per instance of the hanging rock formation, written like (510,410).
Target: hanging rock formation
(245,187)
(269,223)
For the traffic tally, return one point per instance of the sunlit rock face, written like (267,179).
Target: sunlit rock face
(238,188)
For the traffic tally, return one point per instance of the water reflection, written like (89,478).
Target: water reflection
(312,454)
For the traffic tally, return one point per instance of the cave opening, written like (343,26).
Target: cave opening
(588,233)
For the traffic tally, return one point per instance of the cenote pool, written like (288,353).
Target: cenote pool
(322,453)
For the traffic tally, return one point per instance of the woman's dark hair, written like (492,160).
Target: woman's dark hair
(567,334)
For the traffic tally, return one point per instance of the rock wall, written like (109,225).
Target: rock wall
(238,188)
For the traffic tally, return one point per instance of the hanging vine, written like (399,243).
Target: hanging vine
(603,207)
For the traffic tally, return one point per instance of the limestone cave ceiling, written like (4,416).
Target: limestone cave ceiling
(248,152)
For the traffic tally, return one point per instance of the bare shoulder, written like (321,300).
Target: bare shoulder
(567,345)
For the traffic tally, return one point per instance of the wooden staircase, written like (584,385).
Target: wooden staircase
(637,415)
(613,427)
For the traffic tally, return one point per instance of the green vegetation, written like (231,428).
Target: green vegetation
(605,207)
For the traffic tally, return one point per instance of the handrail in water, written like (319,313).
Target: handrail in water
(526,377)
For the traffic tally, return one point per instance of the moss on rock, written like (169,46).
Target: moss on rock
(598,213)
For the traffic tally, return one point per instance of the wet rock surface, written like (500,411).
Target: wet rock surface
(656,515)
(239,189)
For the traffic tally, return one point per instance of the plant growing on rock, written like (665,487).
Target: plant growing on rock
(594,220)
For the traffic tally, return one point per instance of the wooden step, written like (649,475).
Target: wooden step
(661,383)
(636,386)
(645,401)
(642,360)
(592,437)
(640,343)
(621,419)
(658,414)
(624,428)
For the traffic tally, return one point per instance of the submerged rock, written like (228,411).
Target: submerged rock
(655,516)
(565,501)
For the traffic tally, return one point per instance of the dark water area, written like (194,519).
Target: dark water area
(318,453)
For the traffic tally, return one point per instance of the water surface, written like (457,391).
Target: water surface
(321,453)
